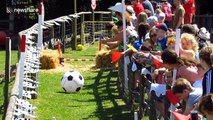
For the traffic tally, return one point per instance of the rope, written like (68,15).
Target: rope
(77,59)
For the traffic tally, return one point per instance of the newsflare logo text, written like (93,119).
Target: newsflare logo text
(21,10)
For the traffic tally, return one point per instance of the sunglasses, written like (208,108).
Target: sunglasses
(154,35)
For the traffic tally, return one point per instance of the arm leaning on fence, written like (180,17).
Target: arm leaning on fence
(113,42)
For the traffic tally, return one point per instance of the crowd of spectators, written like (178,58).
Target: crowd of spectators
(151,30)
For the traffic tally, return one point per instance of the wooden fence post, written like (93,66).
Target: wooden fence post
(63,36)
(74,37)
(82,30)
(52,34)
(93,26)
(7,74)
(74,29)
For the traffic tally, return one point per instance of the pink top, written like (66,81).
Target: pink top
(191,73)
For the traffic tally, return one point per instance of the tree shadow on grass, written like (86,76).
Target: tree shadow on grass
(1,110)
(108,94)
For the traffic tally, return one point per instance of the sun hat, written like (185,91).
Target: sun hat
(204,34)
(117,7)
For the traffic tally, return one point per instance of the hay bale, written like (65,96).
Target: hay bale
(103,59)
(49,59)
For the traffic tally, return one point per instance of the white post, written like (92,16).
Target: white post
(21,65)
(124,44)
(40,23)
(135,115)
(177,41)
(40,31)
(177,47)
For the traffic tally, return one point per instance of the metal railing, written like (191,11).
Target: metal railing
(204,21)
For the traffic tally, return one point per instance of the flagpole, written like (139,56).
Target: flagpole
(40,33)
(21,63)
(40,22)
(177,47)
(124,44)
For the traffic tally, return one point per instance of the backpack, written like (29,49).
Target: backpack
(166,8)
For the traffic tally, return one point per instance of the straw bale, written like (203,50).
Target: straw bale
(103,59)
(49,59)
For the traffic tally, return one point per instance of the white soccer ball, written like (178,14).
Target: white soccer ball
(72,81)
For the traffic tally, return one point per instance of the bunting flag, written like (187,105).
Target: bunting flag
(172,98)
(132,48)
(179,116)
(116,56)
(157,62)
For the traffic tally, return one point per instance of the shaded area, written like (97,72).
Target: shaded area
(106,92)
(1,109)
(2,84)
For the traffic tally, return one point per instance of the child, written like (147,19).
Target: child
(161,41)
(185,92)
(143,29)
(171,41)
(161,36)
(189,47)
(206,60)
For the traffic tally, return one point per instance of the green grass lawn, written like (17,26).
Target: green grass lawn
(14,59)
(98,99)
